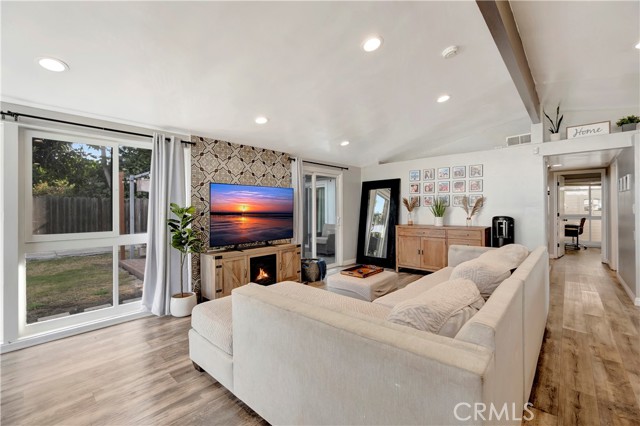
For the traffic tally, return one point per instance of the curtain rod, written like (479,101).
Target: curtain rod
(321,164)
(17,115)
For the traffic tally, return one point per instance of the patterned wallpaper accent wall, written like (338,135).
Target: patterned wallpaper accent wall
(219,161)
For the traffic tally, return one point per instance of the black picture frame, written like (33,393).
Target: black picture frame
(390,260)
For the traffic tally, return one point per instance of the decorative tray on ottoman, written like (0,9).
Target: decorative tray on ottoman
(362,271)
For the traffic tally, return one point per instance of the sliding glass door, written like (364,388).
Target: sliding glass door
(321,219)
(85,229)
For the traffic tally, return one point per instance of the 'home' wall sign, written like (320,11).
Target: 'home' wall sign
(593,129)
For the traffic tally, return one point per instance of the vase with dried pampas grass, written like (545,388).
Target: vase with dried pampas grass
(471,210)
(410,205)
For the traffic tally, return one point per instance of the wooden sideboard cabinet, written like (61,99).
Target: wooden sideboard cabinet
(425,247)
(223,270)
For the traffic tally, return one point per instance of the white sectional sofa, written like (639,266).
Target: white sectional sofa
(301,355)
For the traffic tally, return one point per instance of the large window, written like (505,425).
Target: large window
(86,200)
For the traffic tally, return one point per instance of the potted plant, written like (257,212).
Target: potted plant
(185,240)
(628,123)
(410,205)
(555,125)
(438,209)
(471,210)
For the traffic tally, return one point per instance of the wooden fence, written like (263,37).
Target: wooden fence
(64,215)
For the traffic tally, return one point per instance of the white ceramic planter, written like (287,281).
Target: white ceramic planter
(439,221)
(554,137)
(182,306)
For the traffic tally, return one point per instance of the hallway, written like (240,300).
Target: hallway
(589,367)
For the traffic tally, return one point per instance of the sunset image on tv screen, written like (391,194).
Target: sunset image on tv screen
(242,214)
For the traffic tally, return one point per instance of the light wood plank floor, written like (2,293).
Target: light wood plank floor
(139,372)
(589,367)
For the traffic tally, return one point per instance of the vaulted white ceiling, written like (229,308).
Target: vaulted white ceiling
(209,68)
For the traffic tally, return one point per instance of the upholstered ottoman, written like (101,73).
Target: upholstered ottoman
(368,289)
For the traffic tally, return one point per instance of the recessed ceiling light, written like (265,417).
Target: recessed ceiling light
(372,44)
(638,46)
(261,120)
(443,98)
(450,52)
(53,64)
(344,143)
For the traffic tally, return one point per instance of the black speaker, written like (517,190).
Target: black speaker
(502,231)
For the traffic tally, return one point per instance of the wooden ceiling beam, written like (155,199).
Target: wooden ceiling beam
(503,28)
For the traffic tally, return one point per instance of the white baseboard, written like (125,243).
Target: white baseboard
(38,339)
(634,299)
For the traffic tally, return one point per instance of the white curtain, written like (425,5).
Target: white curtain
(162,270)
(297,182)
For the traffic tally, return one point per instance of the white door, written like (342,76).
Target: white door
(560,219)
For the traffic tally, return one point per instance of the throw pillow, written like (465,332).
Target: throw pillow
(487,276)
(443,309)
(511,255)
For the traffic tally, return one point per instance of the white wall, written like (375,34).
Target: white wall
(513,184)
(351,189)
(626,223)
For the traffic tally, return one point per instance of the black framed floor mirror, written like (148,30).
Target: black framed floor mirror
(379,204)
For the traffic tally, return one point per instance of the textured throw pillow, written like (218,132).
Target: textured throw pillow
(443,309)
(486,276)
(511,255)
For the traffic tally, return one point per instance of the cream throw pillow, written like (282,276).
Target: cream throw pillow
(511,255)
(443,309)
(487,276)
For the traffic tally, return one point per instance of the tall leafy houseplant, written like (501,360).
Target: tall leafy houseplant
(186,240)
(555,124)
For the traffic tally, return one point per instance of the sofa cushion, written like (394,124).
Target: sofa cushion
(415,288)
(487,276)
(328,300)
(511,255)
(212,320)
(443,310)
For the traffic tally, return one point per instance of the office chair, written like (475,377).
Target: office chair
(574,231)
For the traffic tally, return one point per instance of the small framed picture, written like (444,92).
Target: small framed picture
(459,186)
(414,175)
(457,200)
(429,188)
(427,200)
(428,174)
(473,199)
(475,185)
(459,172)
(414,188)
(417,200)
(475,171)
(444,199)
(443,173)
(443,186)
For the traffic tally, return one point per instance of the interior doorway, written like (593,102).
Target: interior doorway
(579,208)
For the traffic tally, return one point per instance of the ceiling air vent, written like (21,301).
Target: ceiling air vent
(518,139)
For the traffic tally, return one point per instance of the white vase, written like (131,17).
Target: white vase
(439,221)
(554,137)
(182,306)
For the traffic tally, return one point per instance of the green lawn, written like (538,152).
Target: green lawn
(73,284)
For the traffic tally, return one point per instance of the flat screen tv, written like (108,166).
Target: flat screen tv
(241,214)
